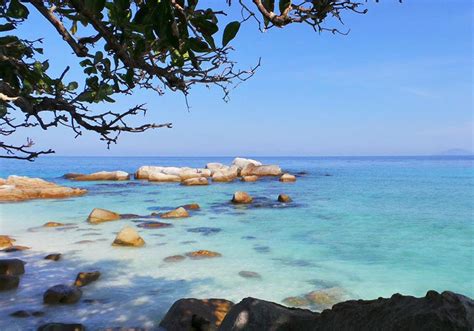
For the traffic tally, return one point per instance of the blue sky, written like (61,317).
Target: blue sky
(399,84)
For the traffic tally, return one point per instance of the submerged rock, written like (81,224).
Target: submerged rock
(13,267)
(15,248)
(85,278)
(154,225)
(287,178)
(191,206)
(99,215)
(62,294)
(17,188)
(296,301)
(195,181)
(325,298)
(62,327)
(53,257)
(254,314)
(205,230)
(177,213)
(241,197)
(196,314)
(128,237)
(203,254)
(52,224)
(9,282)
(174,258)
(284,198)
(249,274)
(20,314)
(101,175)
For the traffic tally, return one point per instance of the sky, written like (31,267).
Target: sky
(400,83)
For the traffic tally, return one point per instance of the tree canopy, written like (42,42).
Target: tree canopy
(122,46)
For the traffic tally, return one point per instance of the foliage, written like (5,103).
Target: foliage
(125,45)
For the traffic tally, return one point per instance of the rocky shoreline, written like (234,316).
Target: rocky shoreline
(435,311)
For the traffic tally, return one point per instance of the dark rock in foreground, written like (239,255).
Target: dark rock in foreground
(195,314)
(12,267)
(62,294)
(9,282)
(85,278)
(61,327)
(254,314)
(53,257)
(445,311)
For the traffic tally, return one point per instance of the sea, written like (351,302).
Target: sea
(357,227)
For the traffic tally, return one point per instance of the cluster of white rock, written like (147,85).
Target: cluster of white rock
(247,169)
(217,172)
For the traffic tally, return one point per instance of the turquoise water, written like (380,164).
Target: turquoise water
(375,226)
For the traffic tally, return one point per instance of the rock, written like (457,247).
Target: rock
(249,274)
(241,197)
(284,198)
(15,248)
(195,181)
(20,314)
(445,311)
(128,237)
(13,267)
(196,314)
(174,258)
(72,175)
(205,230)
(6,241)
(194,173)
(241,162)
(61,327)
(220,177)
(326,298)
(252,178)
(85,278)
(154,225)
(102,175)
(164,178)
(16,188)
(52,224)
(262,170)
(177,213)
(203,254)
(99,215)
(62,294)
(9,282)
(145,171)
(216,166)
(53,257)
(287,178)
(254,314)
(191,206)
(296,301)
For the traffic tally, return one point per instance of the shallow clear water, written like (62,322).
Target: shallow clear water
(375,226)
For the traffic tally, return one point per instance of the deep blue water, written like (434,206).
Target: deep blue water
(366,226)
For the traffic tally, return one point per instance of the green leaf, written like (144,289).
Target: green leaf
(98,57)
(198,45)
(87,96)
(6,27)
(17,10)
(72,86)
(284,4)
(74,27)
(230,32)
(205,27)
